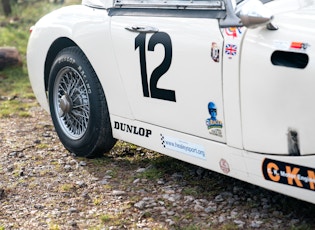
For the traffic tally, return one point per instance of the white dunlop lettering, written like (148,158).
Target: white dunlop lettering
(88,88)
(66,59)
(82,73)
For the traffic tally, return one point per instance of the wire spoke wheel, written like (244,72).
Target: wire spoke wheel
(78,105)
(72,102)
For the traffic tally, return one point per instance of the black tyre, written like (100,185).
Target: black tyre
(78,105)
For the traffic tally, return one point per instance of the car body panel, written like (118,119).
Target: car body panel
(231,86)
(283,97)
(89,28)
(258,98)
(230,161)
(193,83)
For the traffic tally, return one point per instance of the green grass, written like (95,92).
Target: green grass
(14,29)
(53,226)
(151,174)
(105,218)
(66,187)
(15,107)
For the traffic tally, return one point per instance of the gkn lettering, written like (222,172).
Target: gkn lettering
(289,174)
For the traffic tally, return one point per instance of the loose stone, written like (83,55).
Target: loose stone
(82,163)
(140,205)
(118,193)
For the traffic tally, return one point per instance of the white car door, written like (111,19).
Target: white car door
(169,57)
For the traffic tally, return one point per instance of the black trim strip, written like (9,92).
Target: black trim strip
(217,14)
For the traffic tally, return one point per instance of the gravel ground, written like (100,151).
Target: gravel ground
(43,186)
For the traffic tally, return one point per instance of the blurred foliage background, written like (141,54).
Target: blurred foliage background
(16,95)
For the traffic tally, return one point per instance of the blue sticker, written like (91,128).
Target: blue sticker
(214,125)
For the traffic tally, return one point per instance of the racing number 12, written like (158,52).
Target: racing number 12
(158,72)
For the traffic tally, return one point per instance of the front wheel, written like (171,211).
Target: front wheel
(78,105)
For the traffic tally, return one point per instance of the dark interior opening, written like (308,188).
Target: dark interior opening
(290,59)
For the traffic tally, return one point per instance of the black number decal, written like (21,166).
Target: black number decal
(140,42)
(158,72)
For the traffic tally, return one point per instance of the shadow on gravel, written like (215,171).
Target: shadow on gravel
(43,186)
(254,207)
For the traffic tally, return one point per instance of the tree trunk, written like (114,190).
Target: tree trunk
(9,56)
(6,7)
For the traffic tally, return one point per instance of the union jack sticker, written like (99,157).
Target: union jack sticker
(231,49)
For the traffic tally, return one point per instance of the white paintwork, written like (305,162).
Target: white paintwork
(102,4)
(275,98)
(85,23)
(256,101)
(243,165)
(195,83)
(231,88)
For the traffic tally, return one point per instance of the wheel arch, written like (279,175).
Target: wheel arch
(58,45)
(112,85)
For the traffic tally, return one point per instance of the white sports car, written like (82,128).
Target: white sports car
(224,84)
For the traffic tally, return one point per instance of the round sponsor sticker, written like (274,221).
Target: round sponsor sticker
(224,165)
